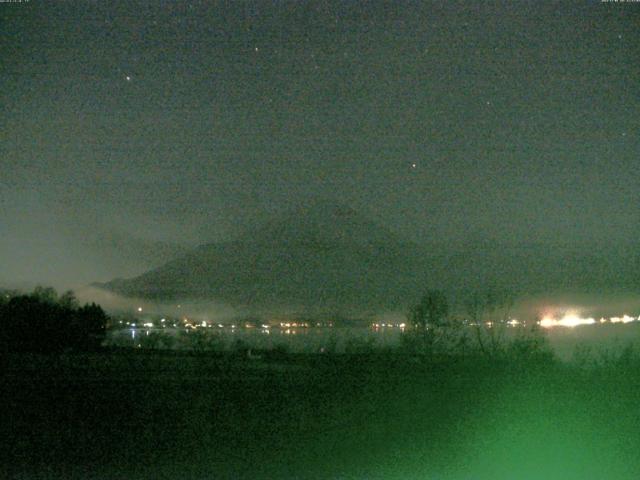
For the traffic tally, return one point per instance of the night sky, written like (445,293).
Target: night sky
(189,122)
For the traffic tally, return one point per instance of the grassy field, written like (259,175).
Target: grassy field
(177,415)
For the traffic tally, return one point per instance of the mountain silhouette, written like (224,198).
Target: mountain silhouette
(320,255)
(327,257)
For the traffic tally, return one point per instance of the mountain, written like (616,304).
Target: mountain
(128,253)
(330,258)
(320,256)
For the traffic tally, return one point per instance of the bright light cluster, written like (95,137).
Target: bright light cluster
(573,320)
(622,319)
(388,325)
(566,321)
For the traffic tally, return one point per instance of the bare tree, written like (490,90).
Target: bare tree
(489,313)
(430,318)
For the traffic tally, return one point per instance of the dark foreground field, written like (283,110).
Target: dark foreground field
(153,416)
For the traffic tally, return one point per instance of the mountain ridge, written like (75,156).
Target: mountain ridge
(330,256)
(326,254)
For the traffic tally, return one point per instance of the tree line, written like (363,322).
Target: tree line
(478,328)
(44,322)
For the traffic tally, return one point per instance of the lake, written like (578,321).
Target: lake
(563,340)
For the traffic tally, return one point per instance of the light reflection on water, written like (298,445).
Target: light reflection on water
(338,339)
(297,340)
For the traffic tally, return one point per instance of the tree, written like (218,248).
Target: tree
(430,320)
(31,323)
(40,322)
(432,311)
(4,297)
(68,300)
(89,326)
(489,313)
(45,294)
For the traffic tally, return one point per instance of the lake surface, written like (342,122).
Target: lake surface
(298,340)
(564,341)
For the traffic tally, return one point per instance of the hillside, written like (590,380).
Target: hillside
(323,255)
(330,257)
